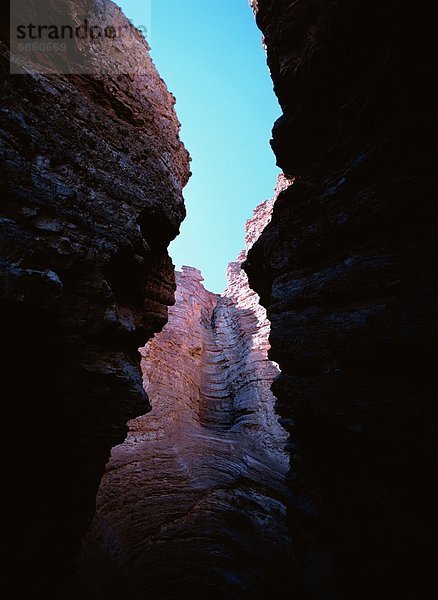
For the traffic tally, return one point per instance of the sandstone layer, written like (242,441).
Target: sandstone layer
(92,178)
(347,271)
(192,504)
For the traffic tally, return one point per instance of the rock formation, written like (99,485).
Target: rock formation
(92,178)
(193,502)
(347,270)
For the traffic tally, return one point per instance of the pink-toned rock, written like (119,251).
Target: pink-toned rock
(194,499)
(251,372)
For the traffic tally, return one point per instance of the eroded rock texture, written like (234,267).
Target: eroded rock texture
(347,271)
(192,504)
(92,175)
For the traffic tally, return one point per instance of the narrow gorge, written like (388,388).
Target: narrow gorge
(278,439)
(193,503)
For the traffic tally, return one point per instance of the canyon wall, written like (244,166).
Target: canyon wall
(347,271)
(92,178)
(192,504)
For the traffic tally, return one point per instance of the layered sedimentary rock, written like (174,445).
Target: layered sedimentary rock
(347,271)
(192,504)
(92,178)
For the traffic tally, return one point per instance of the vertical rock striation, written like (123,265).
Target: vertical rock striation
(250,372)
(193,502)
(92,178)
(347,271)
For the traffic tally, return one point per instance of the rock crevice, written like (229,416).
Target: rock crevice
(199,480)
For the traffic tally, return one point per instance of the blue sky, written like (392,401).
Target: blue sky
(211,57)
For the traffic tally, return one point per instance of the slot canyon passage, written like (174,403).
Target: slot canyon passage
(193,503)
(194,499)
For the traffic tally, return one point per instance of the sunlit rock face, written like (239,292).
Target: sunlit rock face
(91,181)
(192,504)
(347,271)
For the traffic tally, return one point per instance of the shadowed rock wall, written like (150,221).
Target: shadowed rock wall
(347,271)
(91,184)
